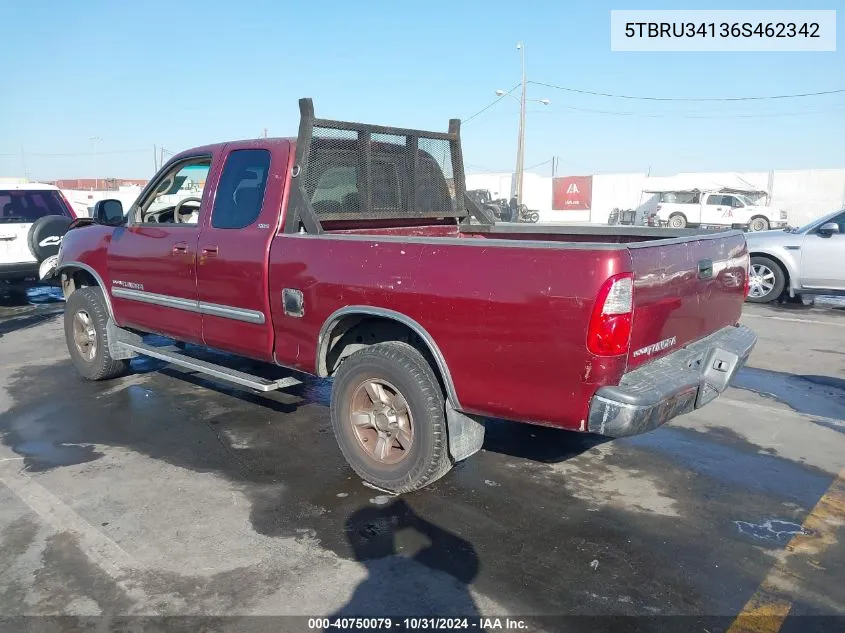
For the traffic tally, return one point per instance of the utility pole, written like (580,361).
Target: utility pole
(554,166)
(161,157)
(96,140)
(155,158)
(265,132)
(520,150)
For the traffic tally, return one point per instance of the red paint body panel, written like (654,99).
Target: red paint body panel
(508,312)
(672,302)
(510,322)
(238,275)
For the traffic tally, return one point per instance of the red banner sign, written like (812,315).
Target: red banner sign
(572,193)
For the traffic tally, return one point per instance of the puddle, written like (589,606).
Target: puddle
(773,530)
(823,396)
(42,455)
(752,471)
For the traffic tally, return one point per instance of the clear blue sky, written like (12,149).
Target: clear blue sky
(186,73)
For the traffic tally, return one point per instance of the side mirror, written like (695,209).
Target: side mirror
(109,212)
(828,229)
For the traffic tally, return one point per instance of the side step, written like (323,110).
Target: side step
(204,367)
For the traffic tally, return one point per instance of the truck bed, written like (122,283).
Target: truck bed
(576,233)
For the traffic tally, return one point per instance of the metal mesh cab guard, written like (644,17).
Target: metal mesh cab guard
(354,171)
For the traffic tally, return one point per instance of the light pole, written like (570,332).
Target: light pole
(96,140)
(520,147)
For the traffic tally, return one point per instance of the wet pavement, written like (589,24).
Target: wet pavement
(167,493)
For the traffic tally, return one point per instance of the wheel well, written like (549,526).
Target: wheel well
(75,278)
(353,332)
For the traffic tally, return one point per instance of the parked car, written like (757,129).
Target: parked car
(809,260)
(713,208)
(33,219)
(313,255)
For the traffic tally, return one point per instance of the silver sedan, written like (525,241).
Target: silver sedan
(806,260)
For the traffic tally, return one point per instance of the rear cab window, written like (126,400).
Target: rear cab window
(240,194)
(28,205)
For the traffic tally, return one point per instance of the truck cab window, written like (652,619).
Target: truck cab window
(240,194)
(177,195)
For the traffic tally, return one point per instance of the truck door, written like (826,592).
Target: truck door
(234,247)
(152,260)
(823,258)
(717,209)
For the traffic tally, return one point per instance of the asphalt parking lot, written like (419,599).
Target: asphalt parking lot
(164,493)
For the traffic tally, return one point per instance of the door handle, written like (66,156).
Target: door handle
(209,251)
(180,248)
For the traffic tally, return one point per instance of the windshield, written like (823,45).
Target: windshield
(28,205)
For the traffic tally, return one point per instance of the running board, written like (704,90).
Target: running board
(210,369)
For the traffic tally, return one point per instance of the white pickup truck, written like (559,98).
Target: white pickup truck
(693,208)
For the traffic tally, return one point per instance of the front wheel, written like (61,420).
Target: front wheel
(767,280)
(86,318)
(677,221)
(388,415)
(758,224)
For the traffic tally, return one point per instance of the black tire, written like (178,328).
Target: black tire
(778,281)
(758,223)
(45,236)
(404,367)
(100,366)
(677,221)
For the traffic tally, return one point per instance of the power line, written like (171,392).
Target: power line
(545,162)
(690,115)
(119,151)
(641,98)
(490,105)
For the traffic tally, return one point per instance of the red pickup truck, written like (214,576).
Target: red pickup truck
(353,252)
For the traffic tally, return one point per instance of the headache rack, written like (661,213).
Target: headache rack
(355,172)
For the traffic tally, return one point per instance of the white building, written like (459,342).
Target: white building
(805,194)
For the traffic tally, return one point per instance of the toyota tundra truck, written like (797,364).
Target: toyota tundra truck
(353,252)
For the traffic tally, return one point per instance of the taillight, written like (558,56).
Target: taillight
(609,332)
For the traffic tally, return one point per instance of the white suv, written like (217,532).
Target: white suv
(33,219)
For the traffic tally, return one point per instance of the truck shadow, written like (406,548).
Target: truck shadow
(537,443)
(424,568)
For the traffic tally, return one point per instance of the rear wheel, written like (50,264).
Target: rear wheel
(388,415)
(758,223)
(677,221)
(86,335)
(767,280)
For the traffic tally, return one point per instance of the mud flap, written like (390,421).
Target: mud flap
(466,434)
(116,335)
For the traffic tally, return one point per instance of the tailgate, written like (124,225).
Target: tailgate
(684,290)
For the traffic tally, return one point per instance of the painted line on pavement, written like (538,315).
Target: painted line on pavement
(99,548)
(770,605)
(791,320)
(742,404)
